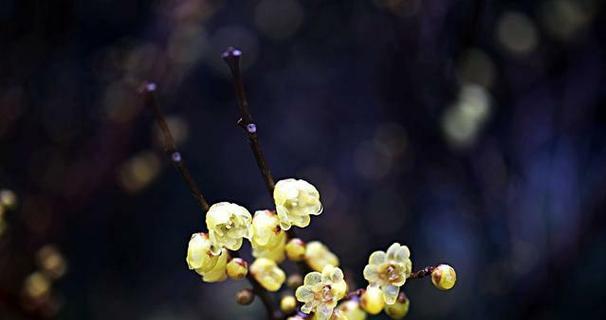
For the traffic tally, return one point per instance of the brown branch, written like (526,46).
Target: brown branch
(168,143)
(422,273)
(231,56)
(170,148)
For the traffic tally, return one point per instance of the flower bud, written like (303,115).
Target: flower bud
(295,249)
(294,281)
(288,304)
(399,309)
(268,274)
(444,277)
(237,268)
(372,300)
(245,296)
(318,256)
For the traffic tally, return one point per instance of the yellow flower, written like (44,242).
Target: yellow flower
(295,201)
(228,224)
(318,256)
(199,256)
(266,229)
(320,292)
(276,252)
(268,274)
(388,271)
(218,272)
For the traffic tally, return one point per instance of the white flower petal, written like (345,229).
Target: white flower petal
(312,278)
(376,258)
(390,294)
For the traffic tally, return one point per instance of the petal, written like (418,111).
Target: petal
(402,254)
(301,221)
(306,308)
(323,312)
(400,282)
(392,251)
(371,273)
(377,258)
(233,244)
(340,289)
(312,278)
(390,293)
(317,209)
(331,274)
(304,294)
(285,223)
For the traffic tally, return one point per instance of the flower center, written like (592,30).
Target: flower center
(325,294)
(391,273)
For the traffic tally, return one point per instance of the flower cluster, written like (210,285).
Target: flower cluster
(230,224)
(323,292)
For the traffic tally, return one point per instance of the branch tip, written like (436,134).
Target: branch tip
(231,54)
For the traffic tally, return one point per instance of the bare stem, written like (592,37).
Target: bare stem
(168,143)
(231,56)
(422,273)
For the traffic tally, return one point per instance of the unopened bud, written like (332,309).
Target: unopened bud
(444,277)
(399,309)
(295,249)
(288,304)
(294,281)
(245,296)
(372,300)
(237,268)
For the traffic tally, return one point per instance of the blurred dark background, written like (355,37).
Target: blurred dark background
(472,131)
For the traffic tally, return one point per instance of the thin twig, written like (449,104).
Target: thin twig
(170,148)
(231,56)
(422,273)
(168,143)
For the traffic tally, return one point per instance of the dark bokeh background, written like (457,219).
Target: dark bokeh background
(473,131)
